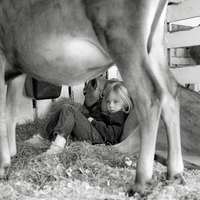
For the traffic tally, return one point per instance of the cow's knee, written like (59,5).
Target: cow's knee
(152,103)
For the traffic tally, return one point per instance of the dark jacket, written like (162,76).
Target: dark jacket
(110,126)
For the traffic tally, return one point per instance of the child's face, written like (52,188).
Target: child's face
(114,104)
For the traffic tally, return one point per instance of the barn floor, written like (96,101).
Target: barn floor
(85,172)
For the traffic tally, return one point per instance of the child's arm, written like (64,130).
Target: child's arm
(112,128)
(109,133)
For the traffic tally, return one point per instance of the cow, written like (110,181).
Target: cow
(66,42)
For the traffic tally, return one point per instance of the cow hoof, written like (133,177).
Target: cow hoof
(13,152)
(136,189)
(179,179)
(5,173)
(130,192)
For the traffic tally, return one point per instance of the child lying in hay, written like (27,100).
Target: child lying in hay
(100,127)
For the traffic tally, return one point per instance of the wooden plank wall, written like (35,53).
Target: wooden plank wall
(180,36)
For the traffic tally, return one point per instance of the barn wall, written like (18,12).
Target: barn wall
(183,20)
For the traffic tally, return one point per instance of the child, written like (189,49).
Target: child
(105,127)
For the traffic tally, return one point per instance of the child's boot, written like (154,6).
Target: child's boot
(57,146)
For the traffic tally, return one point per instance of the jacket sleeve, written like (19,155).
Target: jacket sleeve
(111,128)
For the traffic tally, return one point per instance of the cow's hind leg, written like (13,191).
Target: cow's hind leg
(147,97)
(135,67)
(128,47)
(170,115)
(170,103)
(170,111)
(14,94)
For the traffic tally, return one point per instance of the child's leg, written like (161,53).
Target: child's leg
(45,134)
(71,121)
(47,129)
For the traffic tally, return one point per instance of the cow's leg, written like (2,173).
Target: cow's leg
(170,115)
(148,101)
(170,103)
(14,94)
(128,47)
(4,148)
(135,67)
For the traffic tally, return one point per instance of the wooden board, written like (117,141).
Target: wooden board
(184,38)
(184,10)
(187,74)
(181,61)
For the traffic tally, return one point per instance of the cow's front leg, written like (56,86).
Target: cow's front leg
(14,94)
(4,148)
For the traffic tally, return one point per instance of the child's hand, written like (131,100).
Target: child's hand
(90,119)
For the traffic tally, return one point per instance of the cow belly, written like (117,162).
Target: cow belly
(66,60)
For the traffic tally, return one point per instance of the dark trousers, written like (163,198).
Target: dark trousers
(68,120)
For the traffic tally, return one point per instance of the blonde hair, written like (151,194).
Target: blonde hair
(118,89)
